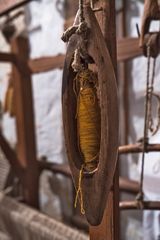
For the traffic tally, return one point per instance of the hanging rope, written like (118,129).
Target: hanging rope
(151,89)
(81,12)
(79,192)
(148,119)
(140,196)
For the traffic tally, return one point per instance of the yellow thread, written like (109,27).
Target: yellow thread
(79,191)
(88,125)
(88,118)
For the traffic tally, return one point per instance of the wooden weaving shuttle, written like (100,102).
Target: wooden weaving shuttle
(96,186)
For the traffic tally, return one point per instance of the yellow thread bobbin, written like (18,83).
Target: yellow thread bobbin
(88,118)
(88,125)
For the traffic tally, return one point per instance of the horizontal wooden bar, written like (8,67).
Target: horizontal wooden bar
(128,186)
(7,57)
(135,205)
(128,48)
(55,168)
(7,6)
(138,148)
(46,63)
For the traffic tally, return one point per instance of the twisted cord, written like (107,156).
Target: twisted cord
(140,196)
(81,11)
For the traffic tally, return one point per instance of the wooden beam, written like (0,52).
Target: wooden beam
(128,48)
(128,186)
(135,205)
(55,168)
(109,227)
(8,5)
(26,144)
(46,63)
(7,57)
(138,148)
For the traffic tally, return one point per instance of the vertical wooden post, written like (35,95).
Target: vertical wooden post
(109,228)
(26,145)
(122,76)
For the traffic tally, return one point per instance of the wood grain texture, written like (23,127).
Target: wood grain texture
(95,188)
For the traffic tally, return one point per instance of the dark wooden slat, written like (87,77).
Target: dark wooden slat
(46,63)
(134,205)
(128,48)
(138,148)
(8,5)
(7,57)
